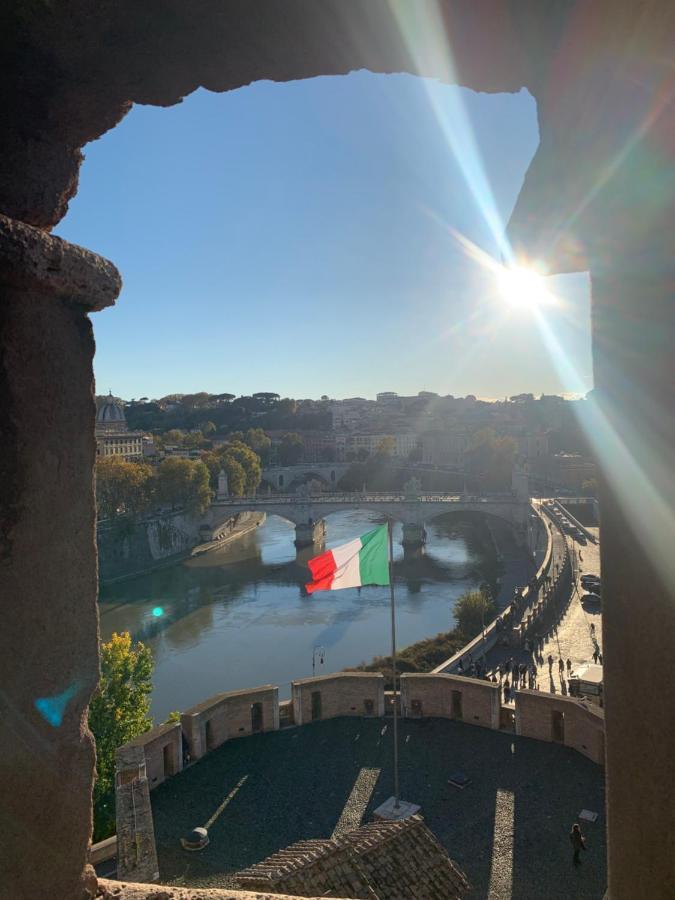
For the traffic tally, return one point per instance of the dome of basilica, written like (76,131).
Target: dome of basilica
(110,412)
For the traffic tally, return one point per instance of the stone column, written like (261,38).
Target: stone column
(309,534)
(48,578)
(136,848)
(633,430)
(414,536)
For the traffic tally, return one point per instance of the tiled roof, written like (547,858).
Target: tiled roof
(379,861)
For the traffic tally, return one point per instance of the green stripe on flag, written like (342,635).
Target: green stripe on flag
(373,557)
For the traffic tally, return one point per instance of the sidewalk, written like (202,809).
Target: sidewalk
(571,638)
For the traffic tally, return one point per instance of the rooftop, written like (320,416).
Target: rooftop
(507,830)
(378,861)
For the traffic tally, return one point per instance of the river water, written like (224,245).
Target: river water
(238,617)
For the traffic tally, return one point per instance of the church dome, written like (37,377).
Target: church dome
(110,413)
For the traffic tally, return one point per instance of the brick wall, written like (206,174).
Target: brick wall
(450,697)
(549,717)
(341,694)
(225,716)
(163,751)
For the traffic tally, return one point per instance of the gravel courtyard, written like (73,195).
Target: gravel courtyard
(507,829)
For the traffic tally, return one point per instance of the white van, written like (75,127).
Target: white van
(586,681)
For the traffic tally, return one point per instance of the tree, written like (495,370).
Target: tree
(291,449)
(489,459)
(258,441)
(118,712)
(122,487)
(241,465)
(473,610)
(249,462)
(184,482)
(173,436)
(387,446)
(589,488)
(266,398)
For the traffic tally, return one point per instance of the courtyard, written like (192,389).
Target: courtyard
(507,829)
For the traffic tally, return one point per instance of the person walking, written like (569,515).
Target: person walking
(595,654)
(561,667)
(578,843)
(550,663)
(569,666)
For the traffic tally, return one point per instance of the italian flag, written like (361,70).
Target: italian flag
(361,561)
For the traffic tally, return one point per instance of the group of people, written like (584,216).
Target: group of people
(509,675)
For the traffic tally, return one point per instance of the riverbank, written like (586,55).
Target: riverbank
(129,548)
(422,656)
(254,520)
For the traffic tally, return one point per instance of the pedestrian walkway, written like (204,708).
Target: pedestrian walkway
(573,637)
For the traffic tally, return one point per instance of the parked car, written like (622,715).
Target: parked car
(591,582)
(591,599)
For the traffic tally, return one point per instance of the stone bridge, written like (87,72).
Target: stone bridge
(308,512)
(282,477)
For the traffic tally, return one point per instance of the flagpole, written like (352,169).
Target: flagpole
(393,660)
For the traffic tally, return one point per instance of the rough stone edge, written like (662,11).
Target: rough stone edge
(31,259)
(123,890)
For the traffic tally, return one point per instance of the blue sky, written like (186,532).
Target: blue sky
(298,238)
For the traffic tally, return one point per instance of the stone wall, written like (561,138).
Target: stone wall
(342,694)
(136,850)
(225,716)
(450,697)
(115,890)
(583,725)
(163,751)
(127,548)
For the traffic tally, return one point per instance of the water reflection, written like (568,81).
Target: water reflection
(240,617)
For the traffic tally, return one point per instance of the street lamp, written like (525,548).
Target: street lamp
(318,653)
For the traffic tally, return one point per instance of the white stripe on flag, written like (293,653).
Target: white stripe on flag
(348,573)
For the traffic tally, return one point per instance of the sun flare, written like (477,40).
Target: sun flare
(523,288)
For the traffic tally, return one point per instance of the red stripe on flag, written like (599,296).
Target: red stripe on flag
(322,568)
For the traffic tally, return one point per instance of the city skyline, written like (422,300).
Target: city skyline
(340,209)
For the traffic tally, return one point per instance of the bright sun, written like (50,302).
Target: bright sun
(523,288)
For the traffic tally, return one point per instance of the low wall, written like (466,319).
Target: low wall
(487,639)
(551,717)
(127,548)
(225,716)
(127,891)
(450,697)
(163,751)
(342,694)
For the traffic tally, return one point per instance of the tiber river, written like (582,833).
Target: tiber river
(239,617)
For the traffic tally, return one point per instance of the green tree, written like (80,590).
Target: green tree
(241,465)
(118,712)
(122,487)
(257,440)
(489,460)
(589,488)
(291,449)
(184,482)
(173,436)
(473,610)
(249,462)
(387,446)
